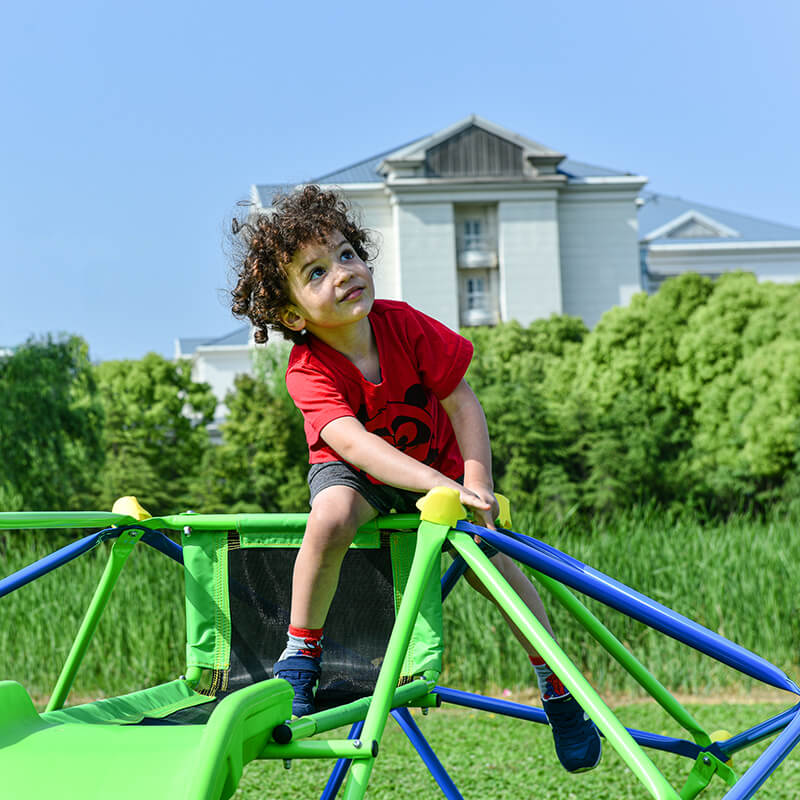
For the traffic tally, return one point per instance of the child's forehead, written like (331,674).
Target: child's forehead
(317,248)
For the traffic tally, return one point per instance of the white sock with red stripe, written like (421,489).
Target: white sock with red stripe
(303,642)
(550,686)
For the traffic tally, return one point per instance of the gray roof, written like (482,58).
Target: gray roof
(578,169)
(660,209)
(238,338)
(366,171)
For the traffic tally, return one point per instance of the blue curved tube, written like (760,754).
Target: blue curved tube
(617,595)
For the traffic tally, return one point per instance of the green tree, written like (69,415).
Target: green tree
(740,372)
(636,440)
(522,377)
(155,431)
(262,462)
(50,425)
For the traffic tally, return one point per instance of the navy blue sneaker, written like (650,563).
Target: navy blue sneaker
(577,741)
(302,672)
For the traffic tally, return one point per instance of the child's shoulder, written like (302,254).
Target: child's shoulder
(391,307)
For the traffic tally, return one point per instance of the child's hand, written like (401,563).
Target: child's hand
(487,511)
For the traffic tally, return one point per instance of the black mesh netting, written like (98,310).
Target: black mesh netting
(356,632)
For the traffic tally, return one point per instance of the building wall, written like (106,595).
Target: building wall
(779,265)
(426,250)
(528,251)
(218,367)
(599,251)
(377,215)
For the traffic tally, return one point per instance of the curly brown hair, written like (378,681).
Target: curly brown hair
(266,243)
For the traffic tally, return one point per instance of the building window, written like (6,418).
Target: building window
(475,231)
(473,235)
(477,296)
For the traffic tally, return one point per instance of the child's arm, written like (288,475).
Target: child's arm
(469,424)
(356,445)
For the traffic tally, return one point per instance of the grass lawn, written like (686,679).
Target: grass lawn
(489,756)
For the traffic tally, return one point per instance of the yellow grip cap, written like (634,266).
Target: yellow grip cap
(504,517)
(441,505)
(130,507)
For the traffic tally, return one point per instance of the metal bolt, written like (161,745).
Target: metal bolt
(287,763)
(187,531)
(425,711)
(706,760)
(357,744)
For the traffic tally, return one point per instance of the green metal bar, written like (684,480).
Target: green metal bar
(333,718)
(590,701)
(120,551)
(244,523)
(32,520)
(321,748)
(430,538)
(636,669)
(256,523)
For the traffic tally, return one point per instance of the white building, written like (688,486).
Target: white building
(477,225)
(678,236)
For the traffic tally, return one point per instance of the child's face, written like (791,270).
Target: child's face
(329,286)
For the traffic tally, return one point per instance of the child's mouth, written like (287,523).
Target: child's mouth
(353,294)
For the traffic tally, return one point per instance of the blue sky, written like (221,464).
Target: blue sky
(131,130)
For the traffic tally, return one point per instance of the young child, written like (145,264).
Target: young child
(388,416)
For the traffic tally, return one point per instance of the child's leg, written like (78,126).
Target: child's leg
(523,587)
(337,513)
(576,739)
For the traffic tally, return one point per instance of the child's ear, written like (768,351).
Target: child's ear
(292,320)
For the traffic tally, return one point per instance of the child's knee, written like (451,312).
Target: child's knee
(335,517)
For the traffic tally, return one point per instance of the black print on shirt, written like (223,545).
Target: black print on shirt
(409,424)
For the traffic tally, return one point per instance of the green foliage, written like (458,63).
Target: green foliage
(634,446)
(740,372)
(688,397)
(521,377)
(262,462)
(155,431)
(50,423)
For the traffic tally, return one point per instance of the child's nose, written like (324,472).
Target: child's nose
(343,272)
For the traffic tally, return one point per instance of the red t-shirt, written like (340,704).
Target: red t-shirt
(421,361)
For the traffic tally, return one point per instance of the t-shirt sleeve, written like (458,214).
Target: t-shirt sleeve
(443,356)
(319,398)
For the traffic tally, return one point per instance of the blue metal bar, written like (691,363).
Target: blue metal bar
(339,772)
(50,562)
(595,584)
(158,541)
(654,741)
(766,763)
(410,728)
(758,732)
(452,576)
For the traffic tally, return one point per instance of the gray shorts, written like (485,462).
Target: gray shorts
(384,499)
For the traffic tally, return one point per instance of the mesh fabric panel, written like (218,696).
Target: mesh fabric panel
(356,633)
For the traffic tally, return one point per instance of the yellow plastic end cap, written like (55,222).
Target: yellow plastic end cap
(722,736)
(131,508)
(441,505)
(504,517)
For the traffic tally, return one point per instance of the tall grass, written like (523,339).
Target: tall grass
(739,578)
(140,640)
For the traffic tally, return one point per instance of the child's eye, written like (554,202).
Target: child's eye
(316,272)
(348,254)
